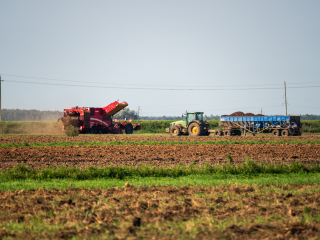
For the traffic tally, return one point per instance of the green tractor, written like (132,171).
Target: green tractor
(193,125)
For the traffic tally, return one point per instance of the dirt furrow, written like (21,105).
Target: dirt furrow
(161,155)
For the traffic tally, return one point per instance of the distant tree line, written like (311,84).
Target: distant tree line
(126,113)
(211,117)
(310,117)
(37,115)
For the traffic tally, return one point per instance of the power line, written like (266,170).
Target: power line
(223,109)
(210,103)
(160,89)
(126,84)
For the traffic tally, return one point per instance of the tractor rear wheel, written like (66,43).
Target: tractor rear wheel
(194,129)
(207,133)
(128,128)
(175,131)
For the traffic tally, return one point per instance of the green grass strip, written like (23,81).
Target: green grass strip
(249,168)
(68,144)
(206,180)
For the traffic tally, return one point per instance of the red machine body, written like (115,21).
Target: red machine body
(98,120)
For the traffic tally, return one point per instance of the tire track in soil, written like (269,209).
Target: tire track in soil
(161,155)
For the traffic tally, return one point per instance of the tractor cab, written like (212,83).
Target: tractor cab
(192,116)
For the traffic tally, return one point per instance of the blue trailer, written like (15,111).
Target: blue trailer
(277,125)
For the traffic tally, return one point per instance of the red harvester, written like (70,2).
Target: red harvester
(98,120)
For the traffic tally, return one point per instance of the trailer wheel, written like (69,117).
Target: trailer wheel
(128,128)
(175,131)
(285,133)
(276,132)
(227,132)
(216,133)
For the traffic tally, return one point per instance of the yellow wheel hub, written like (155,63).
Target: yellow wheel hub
(194,130)
(175,131)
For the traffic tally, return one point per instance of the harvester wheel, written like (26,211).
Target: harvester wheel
(128,128)
(194,129)
(175,131)
(276,132)
(285,133)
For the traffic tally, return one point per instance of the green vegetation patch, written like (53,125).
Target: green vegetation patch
(248,169)
(206,180)
(68,144)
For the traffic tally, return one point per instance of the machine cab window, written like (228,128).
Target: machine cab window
(199,117)
(191,117)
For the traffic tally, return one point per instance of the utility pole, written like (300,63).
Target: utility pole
(138,112)
(0,98)
(261,111)
(285,97)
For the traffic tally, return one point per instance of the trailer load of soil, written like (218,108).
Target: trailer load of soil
(239,114)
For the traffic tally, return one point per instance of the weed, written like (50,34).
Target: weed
(229,158)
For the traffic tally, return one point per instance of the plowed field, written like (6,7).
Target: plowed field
(161,155)
(139,138)
(252,212)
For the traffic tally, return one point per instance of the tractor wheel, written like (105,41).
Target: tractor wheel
(207,133)
(227,132)
(194,129)
(276,132)
(174,131)
(128,128)
(285,133)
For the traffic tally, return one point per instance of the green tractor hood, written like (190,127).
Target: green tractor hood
(182,122)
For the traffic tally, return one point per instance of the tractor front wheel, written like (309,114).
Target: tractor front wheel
(174,131)
(194,129)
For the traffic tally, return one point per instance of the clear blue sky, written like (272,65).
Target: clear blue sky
(224,46)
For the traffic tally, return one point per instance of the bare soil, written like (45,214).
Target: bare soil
(83,156)
(252,212)
(139,138)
